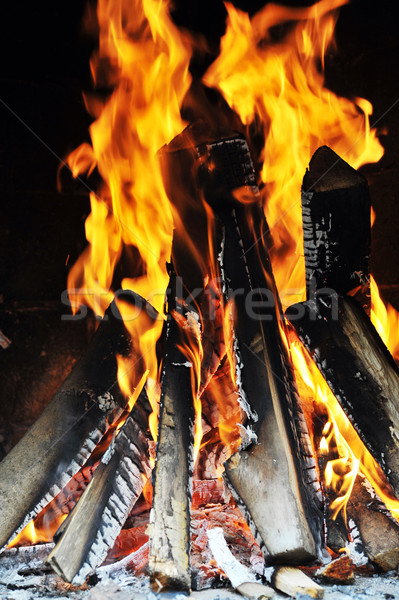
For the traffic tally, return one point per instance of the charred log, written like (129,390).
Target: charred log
(281,466)
(293,582)
(170,515)
(66,433)
(373,526)
(359,370)
(336,225)
(92,527)
(279,470)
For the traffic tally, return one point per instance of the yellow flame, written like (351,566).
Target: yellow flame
(147,62)
(340,473)
(33,534)
(281,86)
(385,319)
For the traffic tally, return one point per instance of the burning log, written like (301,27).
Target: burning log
(93,525)
(66,433)
(275,479)
(336,225)
(359,370)
(170,514)
(339,570)
(280,470)
(373,526)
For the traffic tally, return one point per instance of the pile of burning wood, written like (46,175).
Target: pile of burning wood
(91,456)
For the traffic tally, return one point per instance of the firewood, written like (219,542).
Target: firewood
(279,470)
(92,527)
(359,370)
(236,572)
(336,224)
(292,581)
(62,439)
(256,591)
(339,570)
(378,532)
(170,514)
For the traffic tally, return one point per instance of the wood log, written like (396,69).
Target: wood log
(336,225)
(256,591)
(375,528)
(62,439)
(292,581)
(280,469)
(170,514)
(93,525)
(339,570)
(274,480)
(359,370)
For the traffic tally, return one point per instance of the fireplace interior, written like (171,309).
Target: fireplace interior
(43,234)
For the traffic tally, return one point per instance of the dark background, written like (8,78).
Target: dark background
(44,67)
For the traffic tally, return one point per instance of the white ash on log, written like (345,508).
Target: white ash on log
(172,475)
(336,225)
(274,480)
(241,578)
(66,433)
(375,528)
(358,369)
(92,527)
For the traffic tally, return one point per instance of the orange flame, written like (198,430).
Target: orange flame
(145,58)
(385,319)
(36,533)
(280,87)
(191,348)
(340,473)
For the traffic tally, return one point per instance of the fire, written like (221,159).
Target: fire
(37,531)
(144,58)
(191,348)
(385,319)
(279,88)
(340,473)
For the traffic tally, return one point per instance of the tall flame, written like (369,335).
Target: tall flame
(279,87)
(145,58)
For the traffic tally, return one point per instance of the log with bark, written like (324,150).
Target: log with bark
(358,369)
(170,514)
(275,478)
(279,470)
(336,225)
(373,526)
(66,433)
(92,527)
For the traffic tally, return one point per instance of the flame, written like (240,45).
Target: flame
(37,532)
(191,348)
(276,85)
(133,371)
(340,473)
(385,319)
(279,87)
(145,58)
